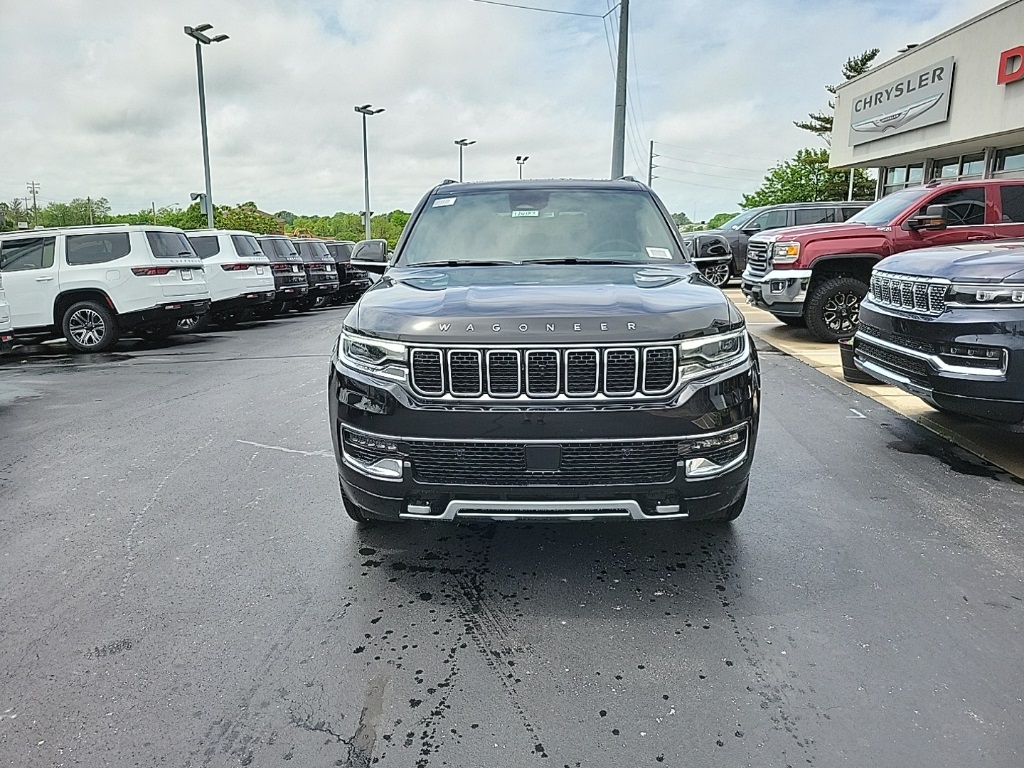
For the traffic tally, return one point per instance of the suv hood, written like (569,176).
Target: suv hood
(813,232)
(978,262)
(551,304)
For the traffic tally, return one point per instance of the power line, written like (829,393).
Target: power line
(701,173)
(543,10)
(709,165)
(709,151)
(697,184)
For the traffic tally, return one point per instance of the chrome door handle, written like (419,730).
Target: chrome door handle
(44,279)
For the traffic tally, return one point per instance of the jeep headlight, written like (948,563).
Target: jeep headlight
(991,295)
(785,253)
(378,356)
(711,353)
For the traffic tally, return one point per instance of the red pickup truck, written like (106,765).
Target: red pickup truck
(817,275)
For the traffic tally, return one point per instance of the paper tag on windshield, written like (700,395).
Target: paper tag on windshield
(441,202)
(515,214)
(659,253)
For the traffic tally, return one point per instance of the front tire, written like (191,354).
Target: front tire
(353,510)
(832,309)
(89,326)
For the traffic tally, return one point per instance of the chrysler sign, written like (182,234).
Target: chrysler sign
(914,101)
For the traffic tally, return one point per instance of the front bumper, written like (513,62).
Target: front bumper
(415,483)
(781,291)
(904,350)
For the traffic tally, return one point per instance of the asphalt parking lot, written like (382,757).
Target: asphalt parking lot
(183,588)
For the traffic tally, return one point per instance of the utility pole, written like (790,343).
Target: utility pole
(849,194)
(619,135)
(650,166)
(33,187)
(89,201)
(154,214)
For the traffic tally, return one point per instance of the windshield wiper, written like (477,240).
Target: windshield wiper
(462,263)
(576,260)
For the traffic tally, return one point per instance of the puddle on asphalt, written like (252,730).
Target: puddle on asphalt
(956,459)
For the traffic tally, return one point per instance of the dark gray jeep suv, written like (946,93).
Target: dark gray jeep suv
(542,350)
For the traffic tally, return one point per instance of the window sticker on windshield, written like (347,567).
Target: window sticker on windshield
(659,253)
(516,214)
(441,202)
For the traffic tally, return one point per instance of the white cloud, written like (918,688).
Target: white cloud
(100,96)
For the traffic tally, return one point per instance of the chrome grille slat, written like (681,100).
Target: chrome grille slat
(544,373)
(758,260)
(921,295)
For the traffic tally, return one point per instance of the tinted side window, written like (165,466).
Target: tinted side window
(770,220)
(246,245)
(205,247)
(812,216)
(1013,202)
(965,207)
(26,253)
(96,249)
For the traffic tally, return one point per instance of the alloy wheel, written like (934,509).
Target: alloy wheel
(87,327)
(186,324)
(716,274)
(842,312)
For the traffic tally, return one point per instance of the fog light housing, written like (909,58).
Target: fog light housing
(712,455)
(777,286)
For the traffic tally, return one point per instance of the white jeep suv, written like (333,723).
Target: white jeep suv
(237,272)
(93,284)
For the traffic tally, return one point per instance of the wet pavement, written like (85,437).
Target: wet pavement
(181,587)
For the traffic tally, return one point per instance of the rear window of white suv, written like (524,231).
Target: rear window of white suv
(169,245)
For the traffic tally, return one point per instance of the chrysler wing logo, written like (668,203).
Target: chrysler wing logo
(897,119)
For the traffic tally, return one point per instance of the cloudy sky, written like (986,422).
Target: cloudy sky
(100,97)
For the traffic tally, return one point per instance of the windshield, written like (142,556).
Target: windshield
(740,219)
(530,225)
(888,208)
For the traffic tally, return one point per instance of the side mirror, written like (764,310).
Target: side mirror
(933,218)
(371,255)
(751,229)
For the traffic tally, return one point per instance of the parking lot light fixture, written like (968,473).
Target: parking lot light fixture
(198,33)
(364,110)
(463,143)
(521,159)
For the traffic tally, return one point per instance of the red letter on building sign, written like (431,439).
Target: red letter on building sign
(1011,65)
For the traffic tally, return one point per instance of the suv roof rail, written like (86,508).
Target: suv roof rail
(447,181)
(626,178)
(934,183)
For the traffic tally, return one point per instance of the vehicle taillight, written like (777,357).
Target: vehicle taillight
(151,271)
(234,267)
(281,267)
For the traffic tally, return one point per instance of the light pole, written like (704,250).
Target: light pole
(521,159)
(197,34)
(463,143)
(364,110)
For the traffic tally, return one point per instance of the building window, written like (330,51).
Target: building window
(961,167)
(902,176)
(1010,162)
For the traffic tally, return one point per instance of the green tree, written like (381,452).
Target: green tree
(10,214)
(719,219)
(681,219)
(248,217)
(820,123)
(807,178)
(286,216)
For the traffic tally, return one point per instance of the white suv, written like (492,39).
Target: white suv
(6,329)
(93,284)
(237,272)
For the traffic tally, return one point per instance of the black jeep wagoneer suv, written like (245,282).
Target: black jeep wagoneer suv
(542,350)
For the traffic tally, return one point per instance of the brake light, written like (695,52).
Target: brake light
(151,271)
(234,267)
(281,267)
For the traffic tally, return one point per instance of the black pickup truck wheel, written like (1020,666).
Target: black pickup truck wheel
(717,274)
(832,308)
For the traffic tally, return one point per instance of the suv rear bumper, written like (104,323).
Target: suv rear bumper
(780,291)
(164,313)
(251,299)
(412,480)
(6,341)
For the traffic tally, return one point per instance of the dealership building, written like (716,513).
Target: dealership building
(949,108)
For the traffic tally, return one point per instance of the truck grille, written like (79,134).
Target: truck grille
(758,260)
(922,295)
(615,463)
(544,372)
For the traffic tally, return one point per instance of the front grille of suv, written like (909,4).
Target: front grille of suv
(758,261)
(921,295)
(544,372)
